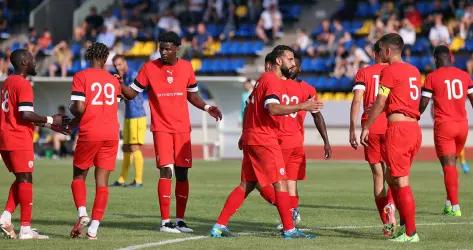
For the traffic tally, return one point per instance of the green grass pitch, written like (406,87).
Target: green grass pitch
(336,204)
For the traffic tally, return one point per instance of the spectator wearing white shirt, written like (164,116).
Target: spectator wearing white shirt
(439,32)
(407,32)
(169,23)
(269,24)
(303,40)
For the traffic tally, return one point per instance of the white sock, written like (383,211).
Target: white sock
(82,211)
(25,229)
(165,221)
(94,226)
(290,230)
(448,203)
(456,207)
(6,217)
(179,219)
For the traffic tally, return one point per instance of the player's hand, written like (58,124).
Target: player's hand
(311,105)
(353,140)
(119,77)
(215,113)
(327,151)
(364,137)
(57,120)
(240,143)
(61,129)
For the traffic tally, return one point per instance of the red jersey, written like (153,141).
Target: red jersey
(260,127)
(168,85)
(291,127)
(100,91)
(367,79)
(404,83)
(17,96)
(448,86)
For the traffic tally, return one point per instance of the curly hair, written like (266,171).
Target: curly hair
(97,51)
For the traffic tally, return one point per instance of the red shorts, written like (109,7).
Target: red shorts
(450,137)
(173,149)
(375,152)
(101,154)
(294,161)
(262,164)
(403,140)
(21,161)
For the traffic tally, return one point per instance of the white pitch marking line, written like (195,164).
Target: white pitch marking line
(179,240)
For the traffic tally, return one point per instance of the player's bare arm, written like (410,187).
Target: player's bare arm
(77,109)
(322,128)
(354,110)
(195,99)
(424,102)
(374,112)
(281,109)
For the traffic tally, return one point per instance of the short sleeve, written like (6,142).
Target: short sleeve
(360,81)
(387,78)
(141,81)
(310,91)
(78,87)
(25,97)
(192,85)
(272,90)
(427,89)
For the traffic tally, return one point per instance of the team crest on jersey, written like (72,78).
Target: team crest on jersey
(170,79)
(30,164)
(282,171)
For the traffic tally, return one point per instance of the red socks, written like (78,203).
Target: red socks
(450,177)
(267,192)
(284,209)
(25,197)
(182,193)
(406,207)
(233,203)
(100,203)
(164,197)
(12,201)
(79,192)
(381,202)
(389,196)
(294,200)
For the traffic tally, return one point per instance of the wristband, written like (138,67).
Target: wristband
(49,120)
(207,107)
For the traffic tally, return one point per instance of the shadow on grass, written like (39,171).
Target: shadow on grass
(355,208)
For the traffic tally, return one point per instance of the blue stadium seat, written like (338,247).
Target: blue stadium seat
(460,61)
(469,45)
(421,45)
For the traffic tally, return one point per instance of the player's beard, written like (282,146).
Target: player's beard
(286,72)
(32,72)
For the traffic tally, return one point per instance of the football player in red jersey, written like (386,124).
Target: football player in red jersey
(291,133)
(263,162)
(95,95)
(399,96)
(171,83)
(17,121)
(449,87)
(365,90)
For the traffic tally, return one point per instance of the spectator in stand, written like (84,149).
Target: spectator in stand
(32,35)
(45,41)
(201,38)
(168,22)
(215,11)
(94,22)
(392,25)
(303,40)
(62,57)
(408,32)
(4,33)
(247,89)
(377,31)
(3,65)
(439,34)
(269,24)
(196,10)
(325,38)
(185,50)
(414,16)
(107,37)
(387,9)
